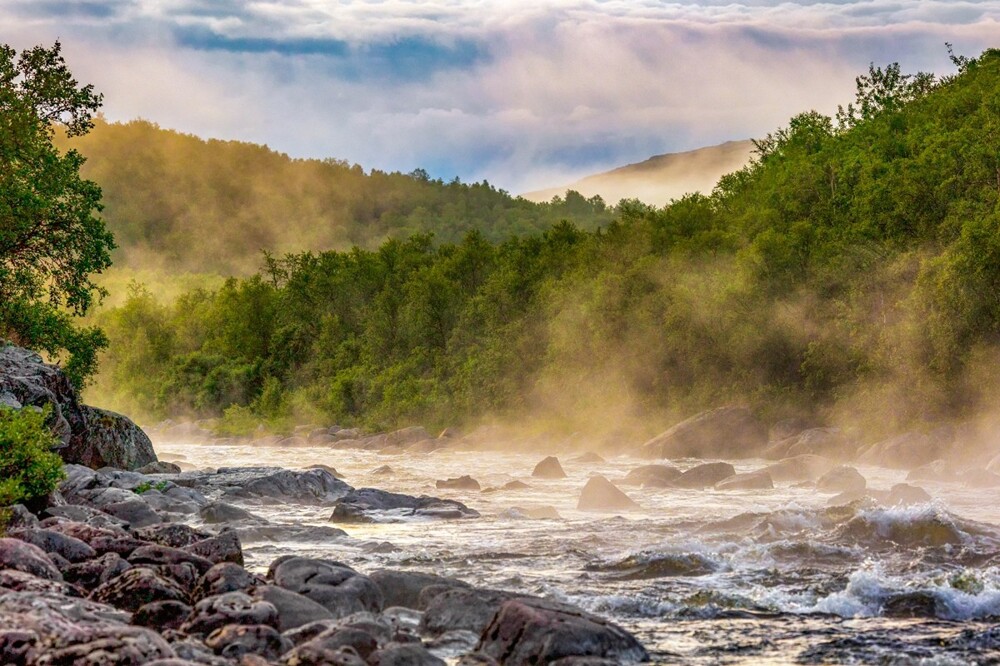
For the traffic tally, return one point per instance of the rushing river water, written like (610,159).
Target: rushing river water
(700,576)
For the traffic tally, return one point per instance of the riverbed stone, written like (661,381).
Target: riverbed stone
(705,475)
(223,547)
(156,554)
(367,505)
(536,631)
(806,467)
(549,468)
(599,494)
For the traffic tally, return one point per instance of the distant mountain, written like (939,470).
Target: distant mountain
(661,178)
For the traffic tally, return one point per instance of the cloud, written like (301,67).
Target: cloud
(520,93)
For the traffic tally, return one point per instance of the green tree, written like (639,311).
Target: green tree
(51,240)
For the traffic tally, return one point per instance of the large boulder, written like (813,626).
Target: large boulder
(705,475)
(549,468)
(841,480)
(805,467)
(725,432)
(759,480)
(828,442)
(335,586)
(657,476)
(89,436)
(907,451)
(536,631)
(403,588)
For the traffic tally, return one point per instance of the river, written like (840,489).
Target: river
(699,576)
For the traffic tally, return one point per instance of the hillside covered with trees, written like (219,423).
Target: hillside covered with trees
(851,272)
(180,203)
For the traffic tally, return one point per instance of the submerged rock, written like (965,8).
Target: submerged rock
(369,505)
(705,475)
(729,432)
(840,480)
(601,495)
(759,480)
(549,468)
(656,476)
(805,467)
(460,483)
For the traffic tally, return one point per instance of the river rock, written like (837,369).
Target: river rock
(110,440)
(71,548)
(705,475)
(156,554)
(368,505)
(224,577)
(549,468)
(135,512)
(22,556)
(588,457)
(904,493)
(93,573)
(19,581)
(789,428)
(235,640)
(403,588)
(26,381)
(460,483)
(536,631)
(841,479)
(216,612)
(656,476)
(460,608)
(222,512)
(110,646)
(806,467)
(172,535)
(906,451)
(159,467)
(333,585)
(404,654)
(599,494)
(759,480)
(162,615)
(936,470)
(532,513)
(18,516)
(137,587)
(223,547)
(727,432)
(827,442)
(294,609)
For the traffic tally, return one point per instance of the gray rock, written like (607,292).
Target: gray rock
(137,587)
(71,548)
(403,588)
(268,484)
(458,608)
(110,440)
(22,556)
(906,451)
(728,432)
(222,578)
(705,475)
(20,516)
(759,480)
(19,581)
(294,609)
(549,468)
(599,494)
(110,646)
(335,586)
(159,467)
(367,505)
(841,479)
(95,572)
(658,476)
(235,640)
(535,631)
(223,547)
(221,512)
(230,608)
(904,493)
(135,512)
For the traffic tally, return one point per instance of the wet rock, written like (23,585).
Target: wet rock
(137,587)
(599,494)
(514,485)
(657,476)
(827,442)
(289,533)
(549,468)
(335,586)
(230,608)
(294,609)
(406,654)
(93,573)
(161,615)
(22,556)
(367,505)
(759,480)
(457,608)
(841,479)
(172,535)
(904,493)
(224,577)
(906,451)
(730,432)
(326,468)
(123,546)
(534,631)
(910,604)
(806,467)
(135,512)
(267,485)
(159,467)
(110,646)
(460,483)
(403,588)
(331,642)
(588,457)
(936,470)
(154,554)
(223,547)
(384,470)
(70,548)
(222,512)
(705,475)
(235,640)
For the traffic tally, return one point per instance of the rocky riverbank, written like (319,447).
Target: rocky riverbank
(127,568)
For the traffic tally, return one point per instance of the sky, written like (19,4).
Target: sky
(522,94)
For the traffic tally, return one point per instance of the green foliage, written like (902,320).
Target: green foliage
(853,267)
(146,486)
(28,467)
(51,241)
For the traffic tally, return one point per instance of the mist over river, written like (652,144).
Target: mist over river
(700,576)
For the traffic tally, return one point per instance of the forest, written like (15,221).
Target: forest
(849,274)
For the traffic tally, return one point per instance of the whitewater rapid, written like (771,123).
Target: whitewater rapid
(700,576)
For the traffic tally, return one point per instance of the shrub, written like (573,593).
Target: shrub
(28,468)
